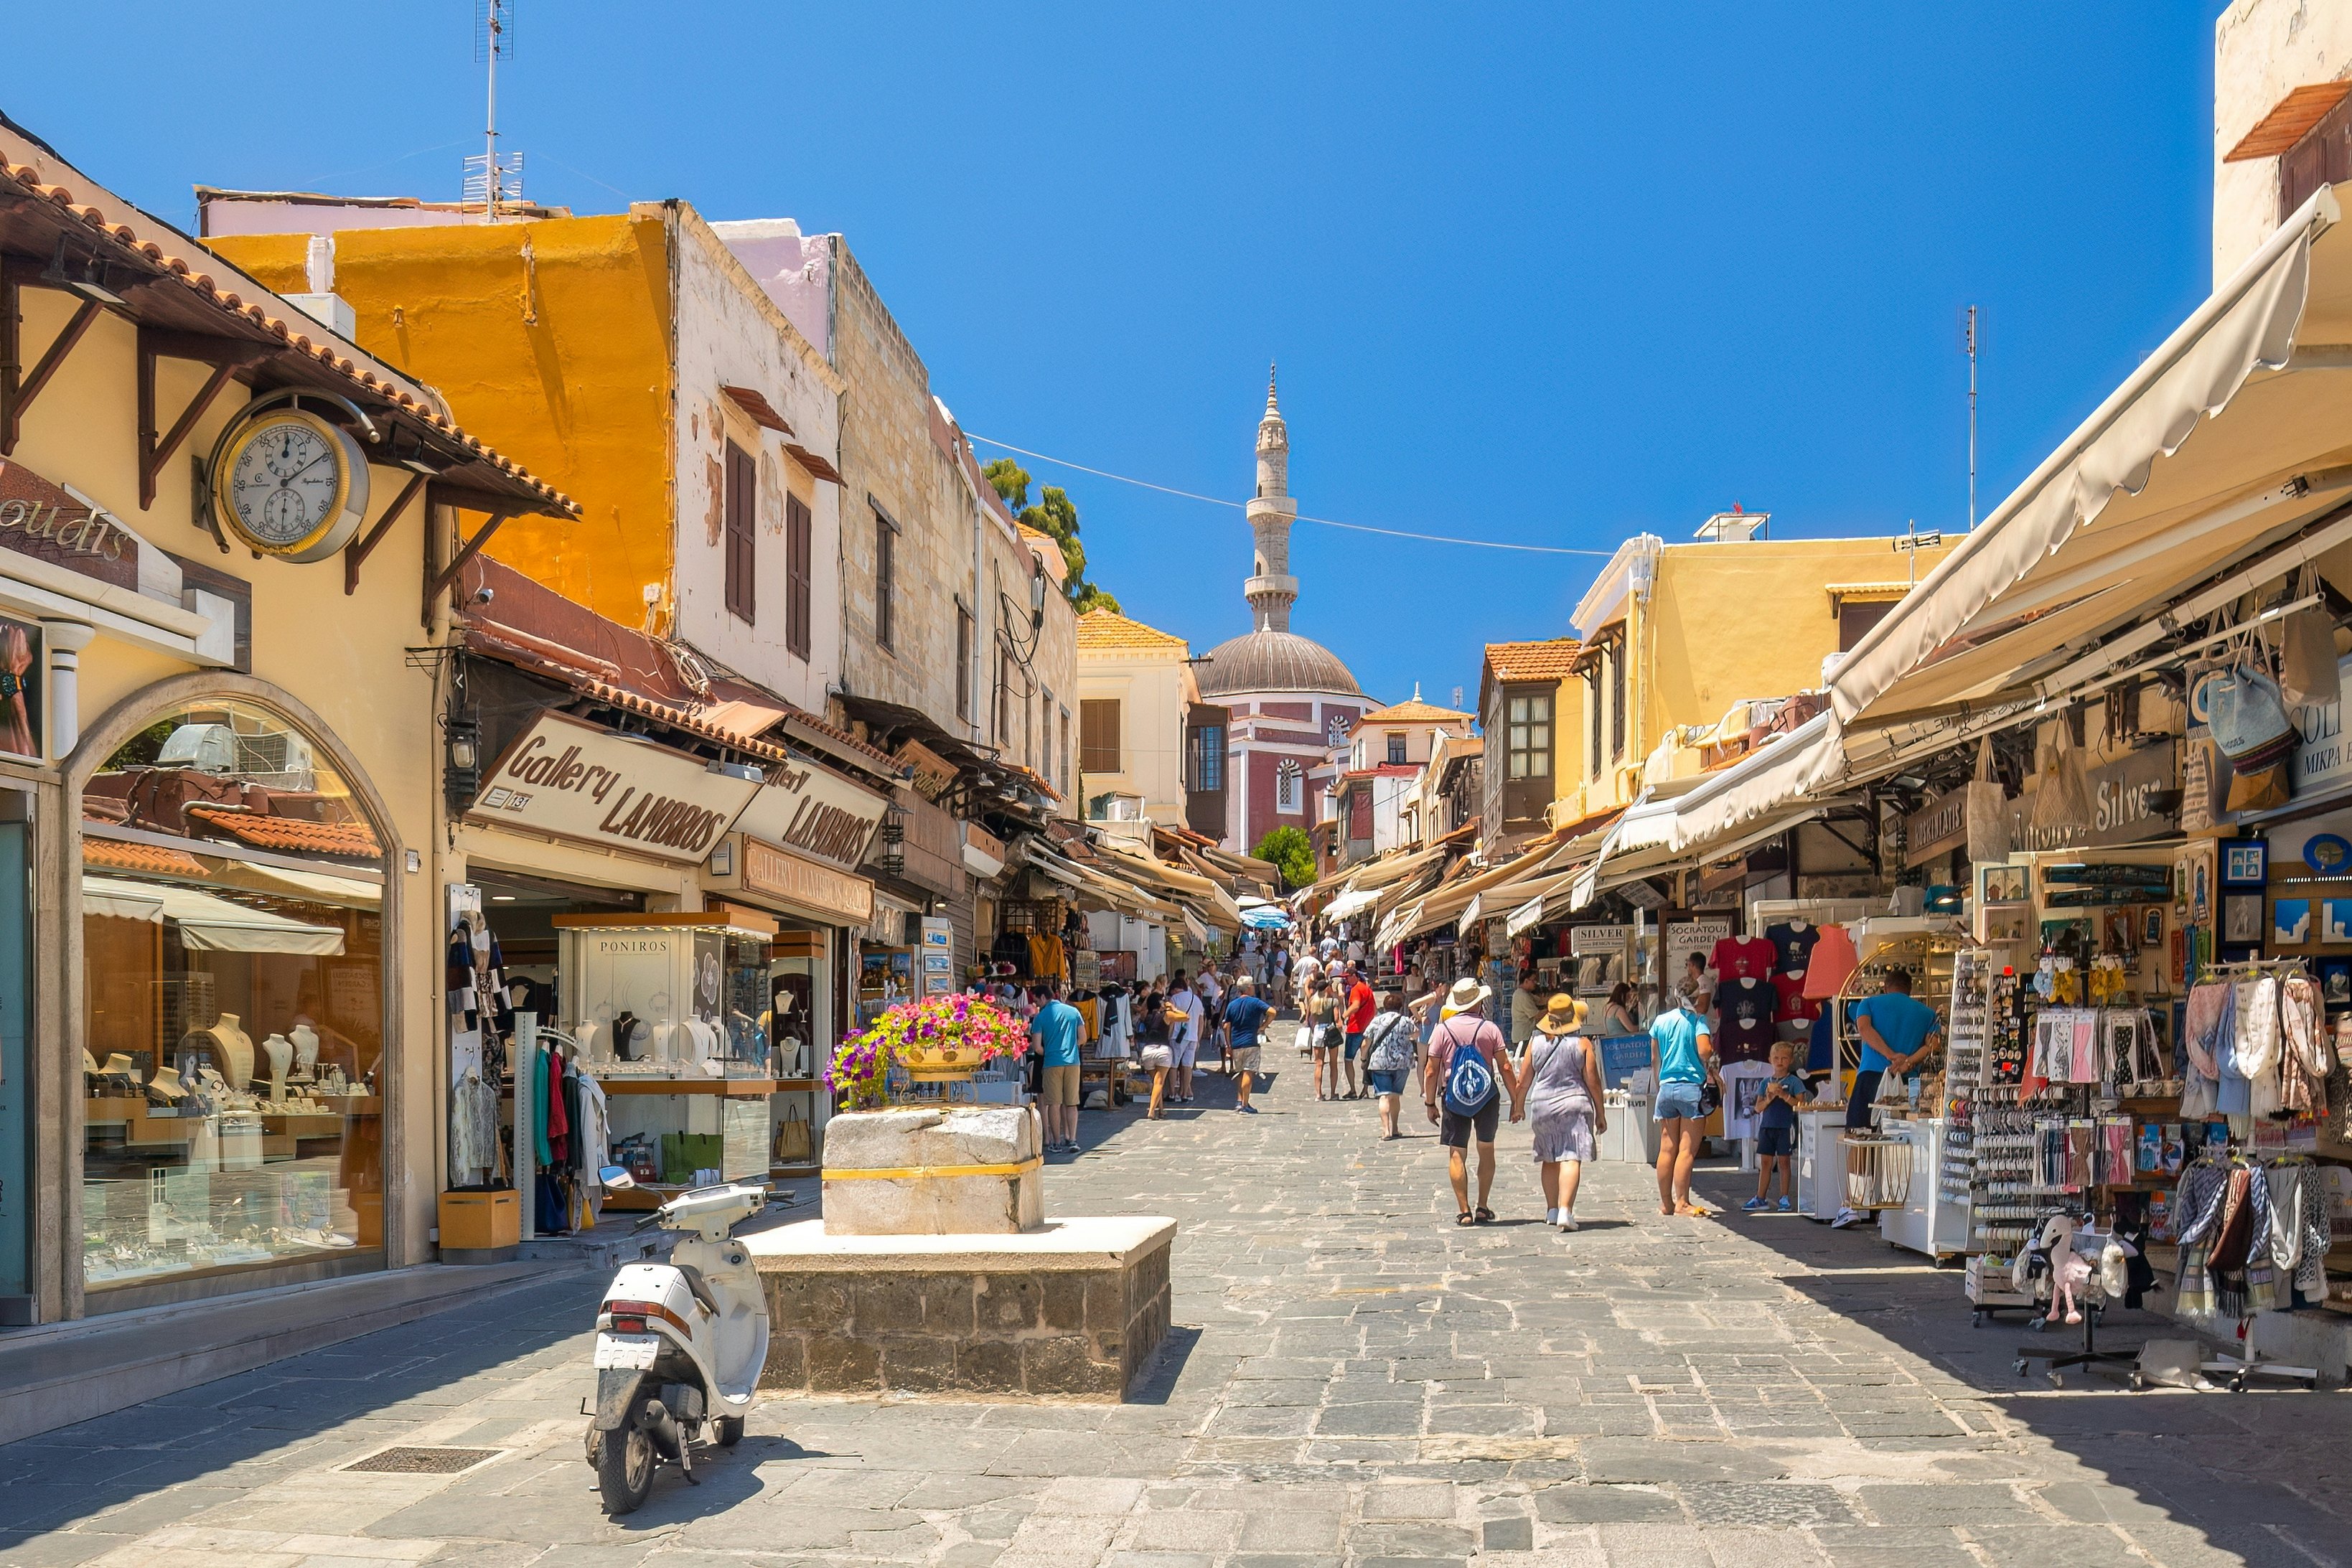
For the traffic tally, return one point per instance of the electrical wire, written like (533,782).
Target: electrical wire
(1302,517)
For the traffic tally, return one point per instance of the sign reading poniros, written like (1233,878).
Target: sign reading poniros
(571,779)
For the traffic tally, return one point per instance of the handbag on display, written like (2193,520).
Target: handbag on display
(792,1145)
(2061,802)
(2307,667)
(1987,809)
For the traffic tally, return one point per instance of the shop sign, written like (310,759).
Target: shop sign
(816,812)
(1685,938)
(1936,828)
(1584,939)
(775,871)
(571,779)
(2123,805)
(46,521)
(2322,760)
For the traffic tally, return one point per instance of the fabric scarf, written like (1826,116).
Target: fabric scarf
(2232,1239)
(2206,1005)
(2258,1027)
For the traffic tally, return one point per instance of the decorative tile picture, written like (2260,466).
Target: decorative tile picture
(2291,922)
(2335,920)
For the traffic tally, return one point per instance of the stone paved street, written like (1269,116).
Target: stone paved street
(1353,1380)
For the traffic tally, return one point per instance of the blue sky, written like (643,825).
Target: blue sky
(1553,274)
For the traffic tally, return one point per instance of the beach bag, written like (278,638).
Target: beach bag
(1987,806)
(2307,667)
(2062,801)
(1469,1081)
(2248,715)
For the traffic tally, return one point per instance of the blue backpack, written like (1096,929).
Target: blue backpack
(1469,1082)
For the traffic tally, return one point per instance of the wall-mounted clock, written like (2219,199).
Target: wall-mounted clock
(288,484)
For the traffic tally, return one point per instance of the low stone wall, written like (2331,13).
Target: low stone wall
(1072,1310)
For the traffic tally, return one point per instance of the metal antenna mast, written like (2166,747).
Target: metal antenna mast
(489,178)
(1972,332)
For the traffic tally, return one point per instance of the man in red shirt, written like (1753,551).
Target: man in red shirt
(1360,1008)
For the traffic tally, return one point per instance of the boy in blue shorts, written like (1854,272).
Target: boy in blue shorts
(1776,1130)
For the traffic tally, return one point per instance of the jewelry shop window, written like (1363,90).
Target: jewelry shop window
(232,921)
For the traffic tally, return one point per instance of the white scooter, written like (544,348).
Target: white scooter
(679,1344)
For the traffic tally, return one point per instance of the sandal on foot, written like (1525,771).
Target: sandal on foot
(1464,1218)
(1485,1215)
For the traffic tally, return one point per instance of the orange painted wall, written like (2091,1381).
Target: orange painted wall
(552,341)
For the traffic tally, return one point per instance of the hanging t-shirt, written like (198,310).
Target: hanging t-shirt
(1736,957)
(1793,1006)
(1833,962)
(1793,944)
(1744,1010)
(1742,1082)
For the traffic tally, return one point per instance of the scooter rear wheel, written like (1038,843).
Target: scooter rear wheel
(625,1468)
(728,1430)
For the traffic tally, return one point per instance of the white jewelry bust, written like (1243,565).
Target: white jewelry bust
(280,1051)
(306,1049)
(236,1051)
(166,1083)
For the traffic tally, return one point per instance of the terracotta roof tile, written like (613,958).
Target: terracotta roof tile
(119,854)
(1413,712)
(28,179)
(1553,659)
(1101,631)
(351,839)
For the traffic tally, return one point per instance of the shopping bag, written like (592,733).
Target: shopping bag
(2249,716)
(2307,667)
(2062,801)
(792,1138)
(1987,807)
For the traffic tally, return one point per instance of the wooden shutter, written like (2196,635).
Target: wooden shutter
(796,576)
(1098,735)
(885,569)
(742,479)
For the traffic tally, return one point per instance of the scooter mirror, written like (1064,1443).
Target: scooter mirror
(615,1177)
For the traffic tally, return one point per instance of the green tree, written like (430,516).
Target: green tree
(1293,854)
(1054,514)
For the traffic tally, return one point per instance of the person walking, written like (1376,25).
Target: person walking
(1360,1007)
(1304,970)
(1561,1086)
(1277,971)
(1322,1033)
(1617,1013)
(1184,1039)
(1056,1029)
(1151,1048)
(1463,1084)
(1212,992)
(1246,1017)
(1392,1046)
(1683,1055)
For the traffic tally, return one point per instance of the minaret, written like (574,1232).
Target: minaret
(1271,589)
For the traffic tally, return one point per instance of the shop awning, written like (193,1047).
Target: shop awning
(2234,435)
(1349,902)
(207,924)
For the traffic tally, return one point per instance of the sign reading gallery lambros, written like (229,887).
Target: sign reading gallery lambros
(571,779)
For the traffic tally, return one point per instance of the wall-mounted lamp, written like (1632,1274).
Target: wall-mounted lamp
(461,772)
(892,857)
(1036,595)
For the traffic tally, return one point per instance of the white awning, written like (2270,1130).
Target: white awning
(1348,903)
(2233,434)
(207,924)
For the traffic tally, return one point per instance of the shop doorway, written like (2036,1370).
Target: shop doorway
(17,1302)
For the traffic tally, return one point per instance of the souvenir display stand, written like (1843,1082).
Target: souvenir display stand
(672,1014)
(1896,1170)
(801,1047)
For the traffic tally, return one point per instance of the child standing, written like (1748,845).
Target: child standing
(1776,1130)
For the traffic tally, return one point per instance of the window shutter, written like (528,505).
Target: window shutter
(742,480)
(796,576)
(1098,735)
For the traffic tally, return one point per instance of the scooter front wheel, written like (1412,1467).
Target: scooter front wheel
(625,1467)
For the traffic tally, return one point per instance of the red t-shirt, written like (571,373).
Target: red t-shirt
(1751,957)
(1795,1005)
(1360,1008)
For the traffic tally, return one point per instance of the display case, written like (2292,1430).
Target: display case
(802,1042)
(672,1014)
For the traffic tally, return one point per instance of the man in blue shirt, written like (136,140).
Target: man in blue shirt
(1246,1015)
(1056,1028)
(1897,1032)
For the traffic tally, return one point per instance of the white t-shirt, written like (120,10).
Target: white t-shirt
(1304,972)
(1355,952)
(1188,1005)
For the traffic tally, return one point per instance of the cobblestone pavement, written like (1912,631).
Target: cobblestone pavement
(1353,1380)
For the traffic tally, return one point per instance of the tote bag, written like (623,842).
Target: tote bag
(1987,808)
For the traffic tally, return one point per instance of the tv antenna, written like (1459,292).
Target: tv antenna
(492,178)
(1969,340)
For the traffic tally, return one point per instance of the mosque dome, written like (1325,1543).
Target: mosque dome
(1270,661)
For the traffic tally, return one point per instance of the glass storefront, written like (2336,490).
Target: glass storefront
(232,933)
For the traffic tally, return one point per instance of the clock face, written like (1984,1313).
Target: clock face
(290,484)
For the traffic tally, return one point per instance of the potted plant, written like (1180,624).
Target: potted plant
(935,1040)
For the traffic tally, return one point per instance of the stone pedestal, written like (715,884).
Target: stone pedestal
(1073,1308)
(914,1171)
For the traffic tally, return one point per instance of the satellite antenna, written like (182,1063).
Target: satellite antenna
(492,179)
(1968,339)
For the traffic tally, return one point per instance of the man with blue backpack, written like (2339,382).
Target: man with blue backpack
(1469,1070)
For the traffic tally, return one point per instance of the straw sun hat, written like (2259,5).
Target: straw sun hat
(1563,1014)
